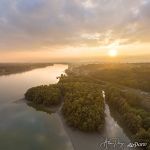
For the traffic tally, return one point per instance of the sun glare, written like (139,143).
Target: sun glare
(113,53)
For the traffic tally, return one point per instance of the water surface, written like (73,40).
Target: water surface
(21,126)
(24,128)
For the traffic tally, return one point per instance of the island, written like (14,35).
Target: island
(82,102)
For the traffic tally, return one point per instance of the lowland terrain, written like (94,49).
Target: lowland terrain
(11,68)
(127,92)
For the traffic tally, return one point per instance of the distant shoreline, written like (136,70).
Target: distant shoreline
(13,68)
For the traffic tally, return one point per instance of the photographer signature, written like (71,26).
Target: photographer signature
(111,143)
(116,144)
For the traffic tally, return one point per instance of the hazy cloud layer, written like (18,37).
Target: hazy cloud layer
(35,24)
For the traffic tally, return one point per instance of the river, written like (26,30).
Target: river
(24,128)
(21,126)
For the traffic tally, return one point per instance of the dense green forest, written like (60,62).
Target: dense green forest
(131,75)
(45,94)
(83,105)
(135,118)
(127,89)
(10,68)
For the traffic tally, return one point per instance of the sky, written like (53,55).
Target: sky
(44,30)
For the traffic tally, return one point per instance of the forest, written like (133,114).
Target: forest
(83,106)
(127,89)
(131,75)
(46,95)
(135,118)
(82,100)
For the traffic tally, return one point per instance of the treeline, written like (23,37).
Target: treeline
(83,105)
(131,75)
(136,119)
(46,95)
(11,68)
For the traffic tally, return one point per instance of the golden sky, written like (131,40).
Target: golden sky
(45,30)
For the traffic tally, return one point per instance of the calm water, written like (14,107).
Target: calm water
(22,127)
(96,141)
(112,128)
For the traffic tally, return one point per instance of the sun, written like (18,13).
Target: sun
(113,53)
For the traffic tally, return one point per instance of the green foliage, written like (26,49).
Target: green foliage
(143,137)
(131,75)
(117,102)
(46,95)
(133,98)
(83,106)
(136,119)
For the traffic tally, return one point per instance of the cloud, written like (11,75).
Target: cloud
(31,25)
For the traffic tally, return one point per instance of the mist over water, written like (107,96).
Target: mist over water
(24,128)
(21,126)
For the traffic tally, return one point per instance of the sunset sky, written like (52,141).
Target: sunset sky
(44,30)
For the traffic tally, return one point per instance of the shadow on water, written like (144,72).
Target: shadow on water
(47,109)
(38,107)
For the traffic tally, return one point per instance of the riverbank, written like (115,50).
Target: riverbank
(23,127)
(93,141)
(83,140)
(13,68)
(80,140)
